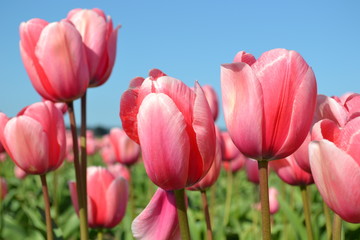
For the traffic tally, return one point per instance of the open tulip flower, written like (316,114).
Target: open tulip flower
(54,58)
(35,138)
(174,126)
(100,39)
(107,198)
(335,165)
(268,104)
(338,109)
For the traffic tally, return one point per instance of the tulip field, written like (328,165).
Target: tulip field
(23,218)
(286,166)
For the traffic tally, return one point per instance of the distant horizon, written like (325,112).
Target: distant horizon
(189,41)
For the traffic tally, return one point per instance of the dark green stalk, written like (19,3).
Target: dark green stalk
(83,164)
(229,187)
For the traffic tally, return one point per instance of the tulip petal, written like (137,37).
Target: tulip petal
(159,219)
(164,141)
(204,128)
(329,108)
(116,200)
(92,28)
(336,174)
(74,196)
(244,57)
(289,91)
(243,107)
(60,47)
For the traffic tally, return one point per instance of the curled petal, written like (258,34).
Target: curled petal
(159,218)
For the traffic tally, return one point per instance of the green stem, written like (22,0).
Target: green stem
(131,195)
(327,221)
(100,235)
(84,234)
(264,199)
(182,215)
(83,164)
(55,195)
(229,187)
(207,215)
(307,211)
(49,232)
(336,232)
(212,201)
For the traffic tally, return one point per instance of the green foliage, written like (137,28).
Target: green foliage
(23,215)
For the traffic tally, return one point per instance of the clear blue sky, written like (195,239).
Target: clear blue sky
(189,40)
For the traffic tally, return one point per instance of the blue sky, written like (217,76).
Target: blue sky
(189,40)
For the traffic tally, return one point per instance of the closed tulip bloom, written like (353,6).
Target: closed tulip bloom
(236,164)
(54,58)
(290,172)
(212,99)
(107,151)
(228,149)
(335,165)
(107,198)
(174,126)
(252,170)
(119,170)
(100,39)
(269,104)
(19,173)
(35,138)
(159,219)
(126,150)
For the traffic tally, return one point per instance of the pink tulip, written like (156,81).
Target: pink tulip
(2,149)
(212,99)
(244,57)
(91,146)
(335,165)
(4,188)
(19,173)
(214,172)
(252,171)
(54,58)
(100,39)
(3,156)
(69,146)
(119,170)
(290,172)
(228,149)
(159,219)
(126,150)
(236,164)
(291,169)
(35,139)
(174,126)
(107,198)
(269,105)
(339,110)
(107,151)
